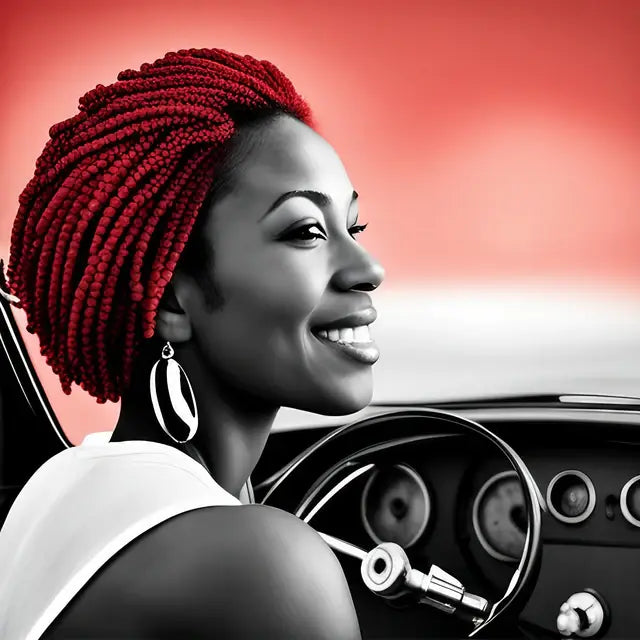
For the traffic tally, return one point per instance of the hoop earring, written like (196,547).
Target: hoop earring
(177,415)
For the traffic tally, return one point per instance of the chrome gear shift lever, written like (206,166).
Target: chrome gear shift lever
(386,571)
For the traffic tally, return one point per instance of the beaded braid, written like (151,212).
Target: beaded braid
(115,194)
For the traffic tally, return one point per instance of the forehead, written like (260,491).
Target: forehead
(288,155)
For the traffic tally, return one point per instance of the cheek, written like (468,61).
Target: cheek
(283,287)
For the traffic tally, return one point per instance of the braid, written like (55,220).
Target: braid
(115,194)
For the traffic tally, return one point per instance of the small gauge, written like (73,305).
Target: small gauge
(500,518)
(395,505)
(571,496)
(630,501)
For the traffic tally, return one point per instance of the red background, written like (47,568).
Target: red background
(488,140)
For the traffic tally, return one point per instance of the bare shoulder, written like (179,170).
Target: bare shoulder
(237,572)
(272,575)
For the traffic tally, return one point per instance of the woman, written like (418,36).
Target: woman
(187,244)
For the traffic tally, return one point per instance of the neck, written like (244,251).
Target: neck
(233,426)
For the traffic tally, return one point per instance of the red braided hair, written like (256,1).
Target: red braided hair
(115,194)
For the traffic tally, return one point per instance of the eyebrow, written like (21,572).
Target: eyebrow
(317,197)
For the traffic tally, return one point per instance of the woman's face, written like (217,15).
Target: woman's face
(294,326)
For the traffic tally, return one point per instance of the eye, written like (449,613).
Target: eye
(356,229)
(305,234)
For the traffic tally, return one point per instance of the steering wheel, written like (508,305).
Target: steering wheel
(343,455)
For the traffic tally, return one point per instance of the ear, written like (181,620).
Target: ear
(172,322)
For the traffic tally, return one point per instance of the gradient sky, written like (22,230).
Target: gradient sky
(488,140)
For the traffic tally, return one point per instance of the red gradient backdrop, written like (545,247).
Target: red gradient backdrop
(488,140)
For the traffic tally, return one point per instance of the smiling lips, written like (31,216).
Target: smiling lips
(350,335)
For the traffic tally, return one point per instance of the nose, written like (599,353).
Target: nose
(359,270)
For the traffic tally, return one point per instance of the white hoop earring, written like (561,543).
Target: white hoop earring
(177,415)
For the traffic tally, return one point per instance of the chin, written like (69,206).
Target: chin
(341,400)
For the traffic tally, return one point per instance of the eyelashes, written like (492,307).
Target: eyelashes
(357,228)
(309,233)
(306,233)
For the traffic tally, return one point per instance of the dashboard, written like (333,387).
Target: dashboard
(454,500)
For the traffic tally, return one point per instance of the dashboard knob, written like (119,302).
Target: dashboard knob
(582,615)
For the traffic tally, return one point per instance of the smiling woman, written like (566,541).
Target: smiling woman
(285,270)
(188,243)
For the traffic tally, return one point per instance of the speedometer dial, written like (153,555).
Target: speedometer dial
(499,517)
(395,505)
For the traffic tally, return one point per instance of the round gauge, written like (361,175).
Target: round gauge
(630,501)
(395,505)
(499,517)
(571,496)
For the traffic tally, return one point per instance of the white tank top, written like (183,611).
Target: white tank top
(79,509)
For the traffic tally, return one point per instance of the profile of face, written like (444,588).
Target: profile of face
(293,328)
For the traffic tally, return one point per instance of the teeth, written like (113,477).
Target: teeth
(347,334)
(361,334)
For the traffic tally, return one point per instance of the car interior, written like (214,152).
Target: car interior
(512,517)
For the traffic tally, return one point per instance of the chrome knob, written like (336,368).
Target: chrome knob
(387,572)
(385,569)
(582,615)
